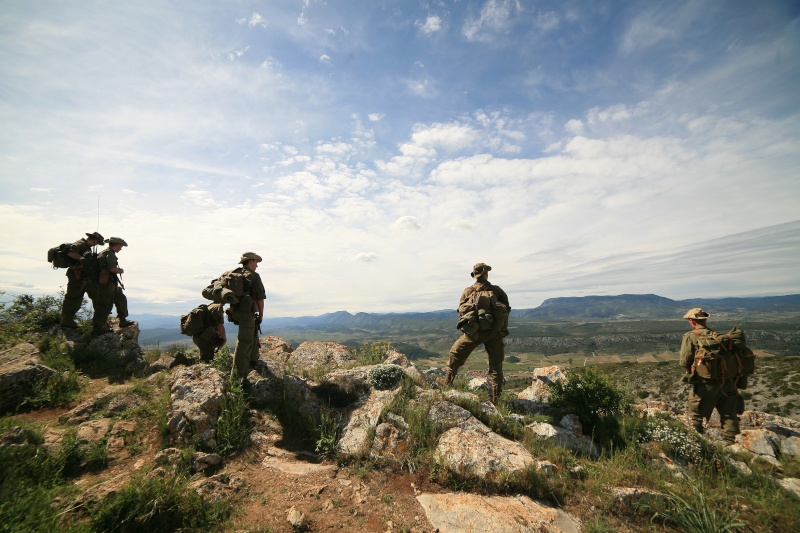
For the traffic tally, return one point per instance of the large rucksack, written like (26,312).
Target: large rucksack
(482,312)
(90,266)
(230,287)
(58,256)
(196,320)
(723,357)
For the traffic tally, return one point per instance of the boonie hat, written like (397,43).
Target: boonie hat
(696,314)
(247,256)
(96,236)
(116,240)
(480,269)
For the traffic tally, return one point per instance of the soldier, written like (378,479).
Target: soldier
(476,334)
(248,313)
(213,336)
(107,290)
(708,394)
(76,282)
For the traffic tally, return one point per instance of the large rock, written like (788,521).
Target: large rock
(472,513)
(543,379)
(121,345)
(360,422)
(20,370)
(311,355)
(393,357)
(569,435)
(197,395)
(275,352)
(472,449)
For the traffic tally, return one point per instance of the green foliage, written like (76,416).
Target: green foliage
(695,513)
(372,353)
(157,505)
(675,439)
(223,360)
(596,401)
(26,316)
(234,427)
(63,385)
(328,433)
(384,377)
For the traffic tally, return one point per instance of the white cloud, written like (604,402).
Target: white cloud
(495,17)
(325,59)
(366,257)
(407,223)
(431,25)
(547,21)
(376,117)
(200,198)
(254,20)
(40,189)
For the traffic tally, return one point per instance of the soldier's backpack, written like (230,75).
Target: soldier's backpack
(482,312)
(230,287)
(57,256)
(90,266)
(195,321)
(723,357)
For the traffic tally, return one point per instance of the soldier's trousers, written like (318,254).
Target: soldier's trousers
(73,297)
(722,396)
(105,298)
(495,349)
(246,351)
(207,340)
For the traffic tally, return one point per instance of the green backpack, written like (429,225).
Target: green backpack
(229,288)
(90,266)
(723,357)
(482,312)
(195,321)
(57,256)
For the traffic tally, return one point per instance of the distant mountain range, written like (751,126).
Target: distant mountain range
(584,308)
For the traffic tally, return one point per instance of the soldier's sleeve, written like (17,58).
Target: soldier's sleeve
(259,293)
(111,260)
(687,351)
(465,296)
(503,297)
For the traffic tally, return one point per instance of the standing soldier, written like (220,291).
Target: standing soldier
(107,292)
(708,394)
(249,313)
(483,318)
(76,282)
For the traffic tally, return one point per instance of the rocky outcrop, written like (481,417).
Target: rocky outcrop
(197,395)
(360,423)
(543,379)
(311,355)
(569,435)
(21,369)
(473,513)
(122,347)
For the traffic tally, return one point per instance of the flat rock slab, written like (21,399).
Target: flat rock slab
(284,461)
(472,513)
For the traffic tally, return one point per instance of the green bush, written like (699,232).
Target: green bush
(597,402)
(26,315)
(234,427)
(384,377)
(372,353)
(157,505)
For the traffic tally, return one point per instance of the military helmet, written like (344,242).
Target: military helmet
(96,236)
(248,256)
(696,314)
(479,270)
(111,241)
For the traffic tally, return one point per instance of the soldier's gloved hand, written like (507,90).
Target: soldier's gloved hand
(258,319)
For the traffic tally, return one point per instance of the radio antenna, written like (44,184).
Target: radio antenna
(98,213)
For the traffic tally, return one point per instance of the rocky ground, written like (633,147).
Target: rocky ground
(170,418)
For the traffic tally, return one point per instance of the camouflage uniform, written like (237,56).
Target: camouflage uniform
(76,284)
(248,317)
(492,339)
(707,394)
(210,338)
(106,292)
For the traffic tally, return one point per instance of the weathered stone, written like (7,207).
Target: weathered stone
(543,379)
(168,457)
(447,415)
(479,384)
(202,462)
(310,355)
(264,387)
(791,484)
(790,447)
(569,435)
(93,430)
(388,444)
(359,423)
(297,519)
(95,496)
(473,513)
(123,403)
(83,411)
(274,352)
(21,368)
(121,346)
(393,357)
(217,488)
(290,463)
(197,395)
(631,498)
(473,449)
(760,442)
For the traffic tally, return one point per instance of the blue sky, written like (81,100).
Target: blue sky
(372,152)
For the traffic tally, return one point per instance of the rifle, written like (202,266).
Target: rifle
(118,277)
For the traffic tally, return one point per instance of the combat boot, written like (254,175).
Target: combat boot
(124,323)
(447,379)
